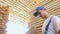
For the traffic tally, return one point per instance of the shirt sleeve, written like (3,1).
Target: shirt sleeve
(56,21)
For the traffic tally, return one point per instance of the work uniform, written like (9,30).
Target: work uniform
(54,26)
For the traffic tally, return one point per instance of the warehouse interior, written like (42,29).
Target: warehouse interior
(16,16)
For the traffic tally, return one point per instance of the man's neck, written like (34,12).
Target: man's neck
(47,16)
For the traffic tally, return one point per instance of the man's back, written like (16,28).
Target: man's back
(53,26)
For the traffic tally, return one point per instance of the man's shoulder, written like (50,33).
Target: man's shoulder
(55,17)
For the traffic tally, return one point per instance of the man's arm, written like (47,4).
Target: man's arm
(59,32)
(56,21)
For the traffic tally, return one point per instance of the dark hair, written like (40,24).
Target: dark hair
(44,9)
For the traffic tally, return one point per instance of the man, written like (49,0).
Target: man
(54,26)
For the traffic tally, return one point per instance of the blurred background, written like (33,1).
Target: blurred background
(20,19)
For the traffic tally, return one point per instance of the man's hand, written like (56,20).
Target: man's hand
(59,32)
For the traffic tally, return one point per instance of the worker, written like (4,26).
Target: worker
(51,23)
